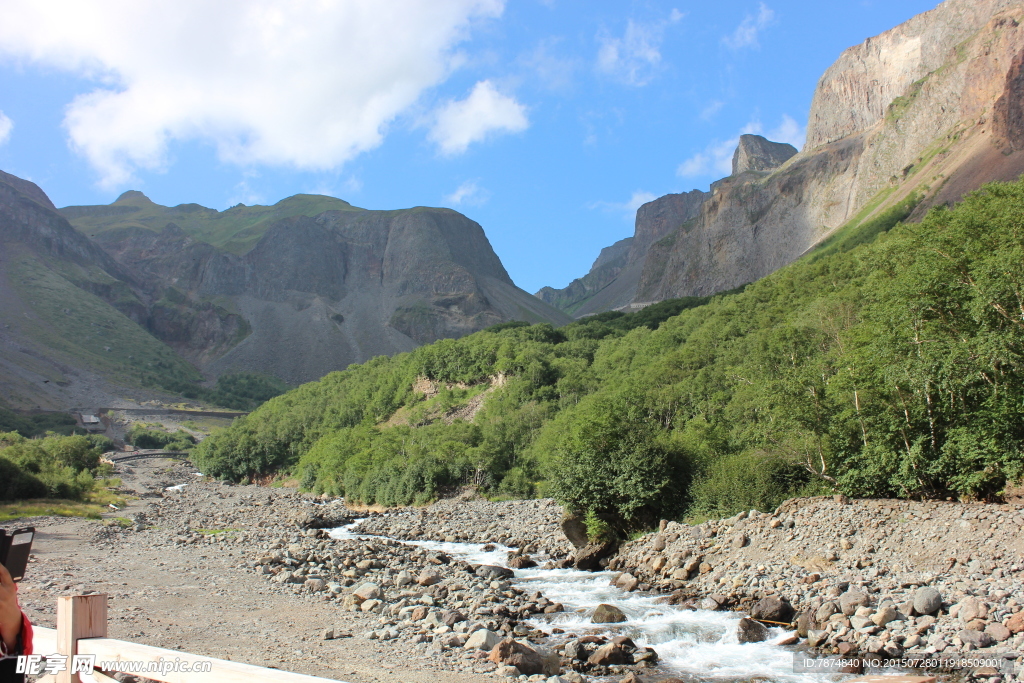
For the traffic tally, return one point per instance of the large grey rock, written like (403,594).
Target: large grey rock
(608,614)
(927,600)
(977,639)
(851,600)
(368,591)
(482,639)
(772,608)
(750,631)
(575,529)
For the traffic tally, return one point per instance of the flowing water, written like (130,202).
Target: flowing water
(694,644)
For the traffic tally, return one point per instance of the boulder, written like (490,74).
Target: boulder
(851,600)
(927,600)
(884,615)
(816,638)
(368,591)
(750,631)
(490,571)
(971,609)
(626,581)
(521,562)
(529,662)
(428,577)
(772,608)
(482,640)
(1015,623)
(611,653)
(607,614)
(588,558)
(575,529)
(452,617)
(315,585)
(978,639)
(998,632)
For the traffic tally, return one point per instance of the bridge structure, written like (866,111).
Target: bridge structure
(142,454)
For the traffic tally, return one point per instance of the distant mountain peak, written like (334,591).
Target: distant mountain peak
(132,196)
(758,153)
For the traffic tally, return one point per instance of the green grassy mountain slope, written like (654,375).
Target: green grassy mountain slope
(892,367)
(235,230)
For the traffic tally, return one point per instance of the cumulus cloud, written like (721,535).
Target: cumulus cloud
(716,158)
(308,84)
(627,208)
(469,193)
(460,123)
(746,34)
(634,57)
(6,126)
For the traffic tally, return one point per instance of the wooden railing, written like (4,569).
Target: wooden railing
(82,630)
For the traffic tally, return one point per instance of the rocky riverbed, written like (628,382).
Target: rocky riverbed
(256,574)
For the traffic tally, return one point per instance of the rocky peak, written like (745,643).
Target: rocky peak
(756,153)
(856,92)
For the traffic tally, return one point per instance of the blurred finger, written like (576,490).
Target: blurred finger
(5,578)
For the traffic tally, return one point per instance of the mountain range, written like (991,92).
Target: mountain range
(97,301)
(134,293)
(910,119)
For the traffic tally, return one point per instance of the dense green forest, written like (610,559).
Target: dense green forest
(885,365)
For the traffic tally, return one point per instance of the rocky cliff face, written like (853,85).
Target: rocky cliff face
(930,110)
(317,293)
(311,294)
(612,280)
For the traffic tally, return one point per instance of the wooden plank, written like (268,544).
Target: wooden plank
(223,671)
(44,640)
(78,616)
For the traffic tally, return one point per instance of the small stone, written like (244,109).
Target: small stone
(816,638)
(328,634)
(368,591)
(978,639)
(927,600)
(626,581)
(884,615)
(428,577)
(482,640)
(998,632)
(851,600)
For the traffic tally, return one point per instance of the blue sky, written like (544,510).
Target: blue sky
(547,121)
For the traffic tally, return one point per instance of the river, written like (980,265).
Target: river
(699,645)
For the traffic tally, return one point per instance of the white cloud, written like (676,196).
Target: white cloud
(676,16)
(468,194)
(789,131)
(716,158)
(634,58)
(553,71)
(746,34)
(6,126)
(307,83)
(460,123)
(627,208)
(713,108)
